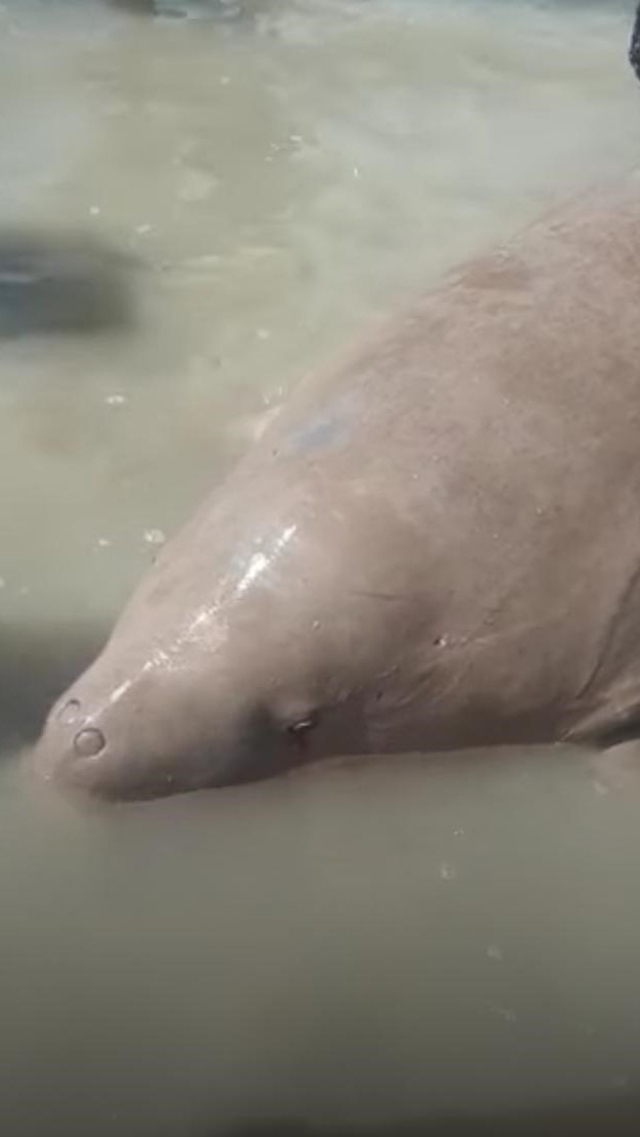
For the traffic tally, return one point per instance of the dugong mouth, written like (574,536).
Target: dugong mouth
(81,755)
(81,770)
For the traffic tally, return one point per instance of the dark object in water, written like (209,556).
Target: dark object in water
(147,7)
(226,10)
(61,284)
(634,46)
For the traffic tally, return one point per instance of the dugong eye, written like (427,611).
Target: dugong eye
(299,729)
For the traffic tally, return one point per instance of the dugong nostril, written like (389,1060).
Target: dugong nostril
(87,743)
(70,712)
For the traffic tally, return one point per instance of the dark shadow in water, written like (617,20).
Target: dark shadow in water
(67,283)
(37,665)
(230,11)
(634,45)
(615,1117)
(144,7)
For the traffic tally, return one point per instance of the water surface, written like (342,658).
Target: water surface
(371,946)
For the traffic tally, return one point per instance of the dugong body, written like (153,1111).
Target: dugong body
(436,545)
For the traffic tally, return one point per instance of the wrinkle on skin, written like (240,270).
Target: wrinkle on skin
(621,607)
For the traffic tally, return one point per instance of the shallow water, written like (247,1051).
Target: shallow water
(367,946)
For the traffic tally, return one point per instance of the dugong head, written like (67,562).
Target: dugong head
(246,650)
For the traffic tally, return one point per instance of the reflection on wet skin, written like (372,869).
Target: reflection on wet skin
(53,284)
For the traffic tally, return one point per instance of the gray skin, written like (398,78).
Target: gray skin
(436,545)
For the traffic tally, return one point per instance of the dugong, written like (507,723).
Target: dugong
(434,546)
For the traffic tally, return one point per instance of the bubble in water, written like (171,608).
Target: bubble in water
(196,185)
(154,537)
(495,952)
(505,1013)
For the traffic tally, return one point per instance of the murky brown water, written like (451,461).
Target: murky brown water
(375,946)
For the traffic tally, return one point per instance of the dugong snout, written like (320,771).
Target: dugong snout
(75,753)
(148,738)
(91,745)
(87,741)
